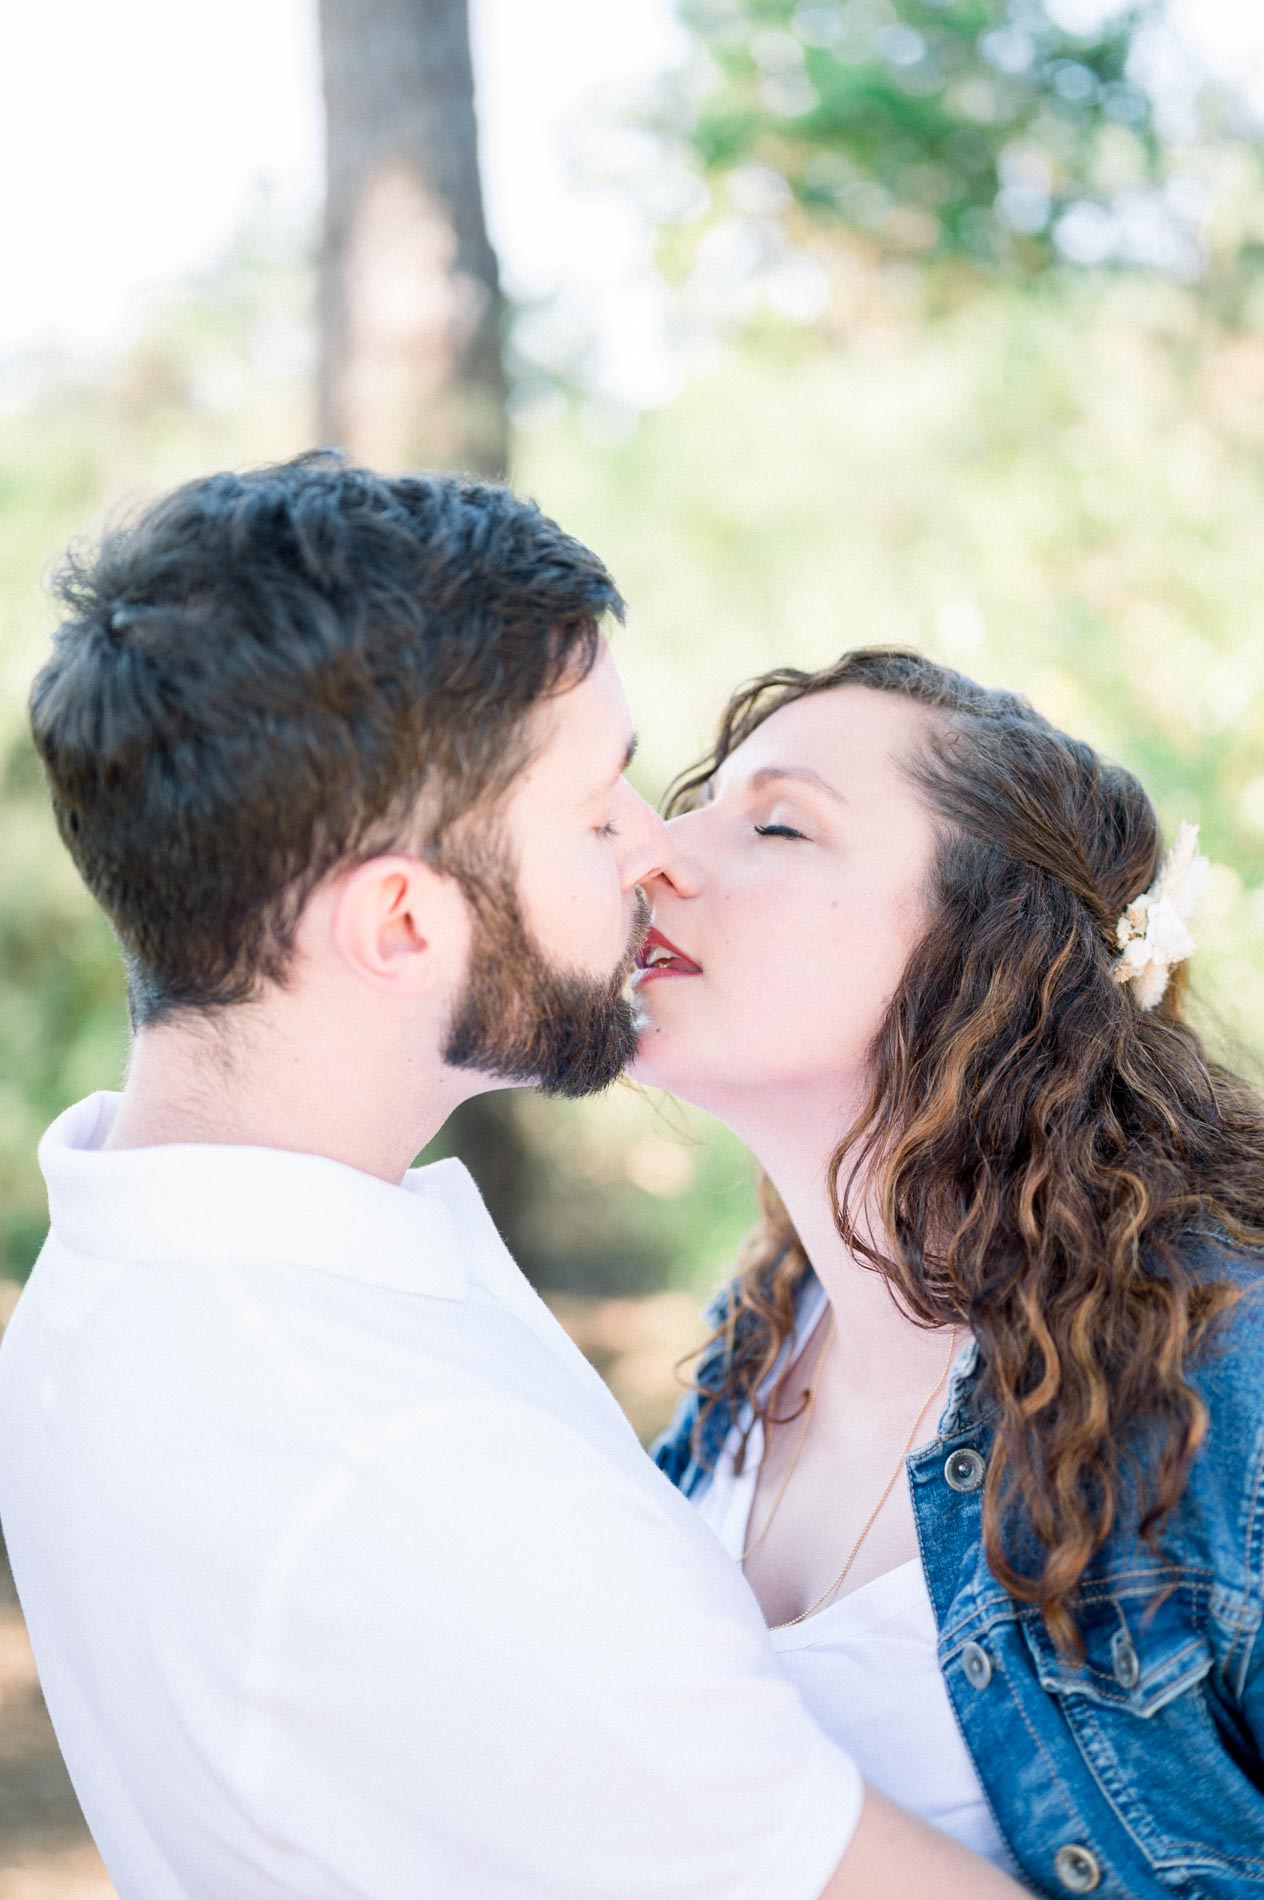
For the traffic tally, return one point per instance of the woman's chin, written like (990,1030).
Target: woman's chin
(652,1065)
(644,1069)
(656,1065)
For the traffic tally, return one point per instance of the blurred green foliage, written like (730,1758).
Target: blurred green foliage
(1057,485)
(976,131)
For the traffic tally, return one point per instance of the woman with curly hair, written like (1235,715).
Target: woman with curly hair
(982,1413)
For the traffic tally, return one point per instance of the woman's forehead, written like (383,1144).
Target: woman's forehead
(846,734)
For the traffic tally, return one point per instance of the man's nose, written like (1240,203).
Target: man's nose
(647,849)
(678,868)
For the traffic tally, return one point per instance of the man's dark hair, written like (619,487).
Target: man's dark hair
(262,678)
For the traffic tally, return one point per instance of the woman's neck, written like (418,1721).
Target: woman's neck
(877,1350)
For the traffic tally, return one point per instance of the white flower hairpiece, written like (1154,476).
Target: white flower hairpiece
(1153,933)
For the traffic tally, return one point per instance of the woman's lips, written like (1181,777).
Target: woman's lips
(658,956)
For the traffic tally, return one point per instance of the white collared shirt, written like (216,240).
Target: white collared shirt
(345,1574)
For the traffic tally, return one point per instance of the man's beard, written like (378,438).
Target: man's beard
(523,1019)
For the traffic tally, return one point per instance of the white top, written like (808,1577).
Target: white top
(867,1667)
(346,1575)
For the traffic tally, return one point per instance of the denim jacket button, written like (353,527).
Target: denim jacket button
(1124,1657)
(1076,1868)
(977,1664)
(964,1470)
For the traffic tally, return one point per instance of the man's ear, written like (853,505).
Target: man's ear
(398,924)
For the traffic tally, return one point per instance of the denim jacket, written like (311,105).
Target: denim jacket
(1141,1771)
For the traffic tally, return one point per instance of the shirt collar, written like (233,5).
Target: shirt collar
(203,1201)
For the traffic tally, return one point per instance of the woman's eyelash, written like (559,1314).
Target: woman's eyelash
(777,831)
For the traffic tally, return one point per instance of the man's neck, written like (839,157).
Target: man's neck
(263,1079)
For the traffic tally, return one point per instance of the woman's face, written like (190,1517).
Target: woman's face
(796,890)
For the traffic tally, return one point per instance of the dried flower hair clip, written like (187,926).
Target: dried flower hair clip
(1153,933)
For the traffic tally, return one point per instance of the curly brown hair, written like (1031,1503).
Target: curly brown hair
(1035,1144)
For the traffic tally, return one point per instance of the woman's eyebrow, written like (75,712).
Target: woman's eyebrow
(803,774)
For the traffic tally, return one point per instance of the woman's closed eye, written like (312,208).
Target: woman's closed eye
(778,831)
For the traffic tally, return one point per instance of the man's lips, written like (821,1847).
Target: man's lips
(659,956)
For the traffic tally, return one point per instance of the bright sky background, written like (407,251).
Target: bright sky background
(134,136)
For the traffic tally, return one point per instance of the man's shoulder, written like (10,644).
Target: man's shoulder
(267,1360)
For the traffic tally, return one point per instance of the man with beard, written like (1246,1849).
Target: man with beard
(344,1573)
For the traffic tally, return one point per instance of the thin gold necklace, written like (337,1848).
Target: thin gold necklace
(807,1415)
(889,1487)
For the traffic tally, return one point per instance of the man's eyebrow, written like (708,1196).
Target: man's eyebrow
(802,774)
(620,769)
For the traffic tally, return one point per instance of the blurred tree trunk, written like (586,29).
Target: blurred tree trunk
(410,308)
(411,373)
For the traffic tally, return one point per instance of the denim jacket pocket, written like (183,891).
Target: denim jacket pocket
(1143,1716)
(1139,1655)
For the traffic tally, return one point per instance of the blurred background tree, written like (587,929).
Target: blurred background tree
(410,323)
(410,305)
